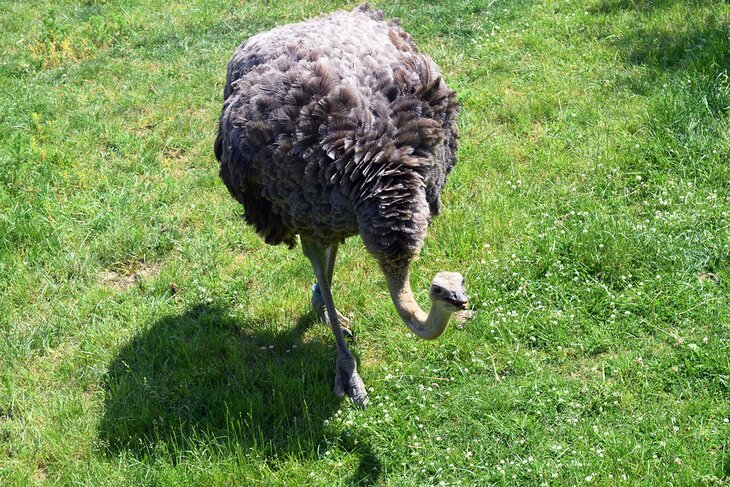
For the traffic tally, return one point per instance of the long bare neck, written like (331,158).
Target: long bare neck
(427,326)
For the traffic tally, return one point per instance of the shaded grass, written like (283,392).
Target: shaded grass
(589,212)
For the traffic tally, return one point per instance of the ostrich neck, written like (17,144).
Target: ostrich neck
(427,326)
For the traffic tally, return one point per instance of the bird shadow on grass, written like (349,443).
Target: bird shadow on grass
(206,380)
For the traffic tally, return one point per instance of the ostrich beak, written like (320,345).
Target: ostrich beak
(459,299)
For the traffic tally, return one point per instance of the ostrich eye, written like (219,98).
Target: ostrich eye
(437,289)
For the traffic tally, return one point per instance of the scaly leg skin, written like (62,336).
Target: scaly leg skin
(318,301)
(347,380)
(321,310)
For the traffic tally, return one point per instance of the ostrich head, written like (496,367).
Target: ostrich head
(447,296)
(447,292)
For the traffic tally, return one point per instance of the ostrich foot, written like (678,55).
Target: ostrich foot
(347,380)
(320,309)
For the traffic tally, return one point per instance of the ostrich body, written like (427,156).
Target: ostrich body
(334,127)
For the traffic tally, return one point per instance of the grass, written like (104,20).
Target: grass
(148,338)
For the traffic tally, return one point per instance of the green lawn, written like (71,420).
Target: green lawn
(148,337)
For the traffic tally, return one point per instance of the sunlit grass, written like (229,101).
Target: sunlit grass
(148,337)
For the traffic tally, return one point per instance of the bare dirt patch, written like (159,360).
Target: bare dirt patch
(707,277)
(125,280)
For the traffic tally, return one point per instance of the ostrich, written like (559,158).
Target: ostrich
(339,126)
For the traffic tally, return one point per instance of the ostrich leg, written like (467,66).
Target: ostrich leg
(331,256)
(347,379)
(318,301)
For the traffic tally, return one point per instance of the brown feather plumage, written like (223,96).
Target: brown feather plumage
(338,126)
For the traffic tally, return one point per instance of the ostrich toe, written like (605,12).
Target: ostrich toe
(347,380)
